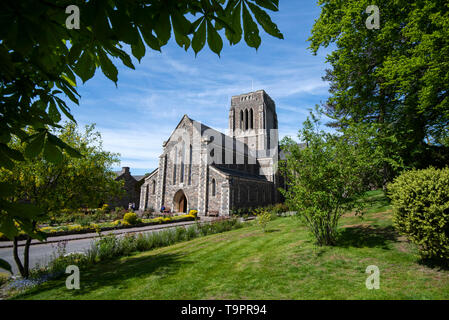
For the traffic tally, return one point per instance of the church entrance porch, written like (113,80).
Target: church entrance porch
(180,202)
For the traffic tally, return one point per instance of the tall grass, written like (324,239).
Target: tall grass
(112,246)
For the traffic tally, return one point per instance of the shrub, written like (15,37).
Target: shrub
(149,212)
(263,218)
(181,234)
(3,278)
(204,229)
(84,221)
(420,200)
(191,232)
(130,218)
(257,211)
(193,213)
(106,208)
(111,246)
(119,212)
(127,245)
(280,208)
(107,247)
(326,176)
(59,263)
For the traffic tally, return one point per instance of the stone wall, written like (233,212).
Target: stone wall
(132,189)
(218,202)
(245,193)
(193,166)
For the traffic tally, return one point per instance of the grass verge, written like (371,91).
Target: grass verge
(283,263)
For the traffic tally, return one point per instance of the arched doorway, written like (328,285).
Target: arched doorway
(180,202)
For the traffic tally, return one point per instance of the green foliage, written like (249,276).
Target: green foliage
(130,218)
(69,184)
(84,221)
(193,213)
(112,246)
(49,58)
(43,61)
(4,277)
(420,200)
(107,247)
(395,77)
(263,218)
(275,265)
(205,229)
(5,265)
(279,208)
(325,176)
(50,186)
(149,212)
(91,215)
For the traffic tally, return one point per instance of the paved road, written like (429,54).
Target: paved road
(41,253)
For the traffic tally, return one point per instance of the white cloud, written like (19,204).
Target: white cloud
(141,113)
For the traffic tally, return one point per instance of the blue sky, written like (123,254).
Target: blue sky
(135,117)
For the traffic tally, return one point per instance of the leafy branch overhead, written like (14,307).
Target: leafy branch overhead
(42,61)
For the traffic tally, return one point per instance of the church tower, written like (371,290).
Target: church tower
(251,119)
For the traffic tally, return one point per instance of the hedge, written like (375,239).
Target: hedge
(420,201)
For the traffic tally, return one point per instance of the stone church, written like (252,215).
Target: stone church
(203,169)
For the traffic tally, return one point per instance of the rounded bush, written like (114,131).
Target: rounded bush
(420,200)
(193,213)
(130,218)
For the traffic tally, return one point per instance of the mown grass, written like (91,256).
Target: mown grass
(283,263)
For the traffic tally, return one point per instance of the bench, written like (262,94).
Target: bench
(213,213)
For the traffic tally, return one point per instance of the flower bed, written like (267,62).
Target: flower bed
(105,226)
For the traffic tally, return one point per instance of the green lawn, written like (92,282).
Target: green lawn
(283,263)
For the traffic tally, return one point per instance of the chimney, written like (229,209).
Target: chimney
(125,169)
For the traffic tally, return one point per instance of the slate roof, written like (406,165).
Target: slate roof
(240,174)
(117,173)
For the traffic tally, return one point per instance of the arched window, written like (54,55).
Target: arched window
(182,162)
(213,187)
(241,120)
(246,119)
(251,119)
(190,165)
(174,165)
(153,191)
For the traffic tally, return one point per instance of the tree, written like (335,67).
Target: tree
(395,77)
(42,61)
(69,183)
(327,174)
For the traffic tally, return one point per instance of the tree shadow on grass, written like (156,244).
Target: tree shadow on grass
(376,202)
(272,230)
(438,264)
(114,272)
(366,236)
